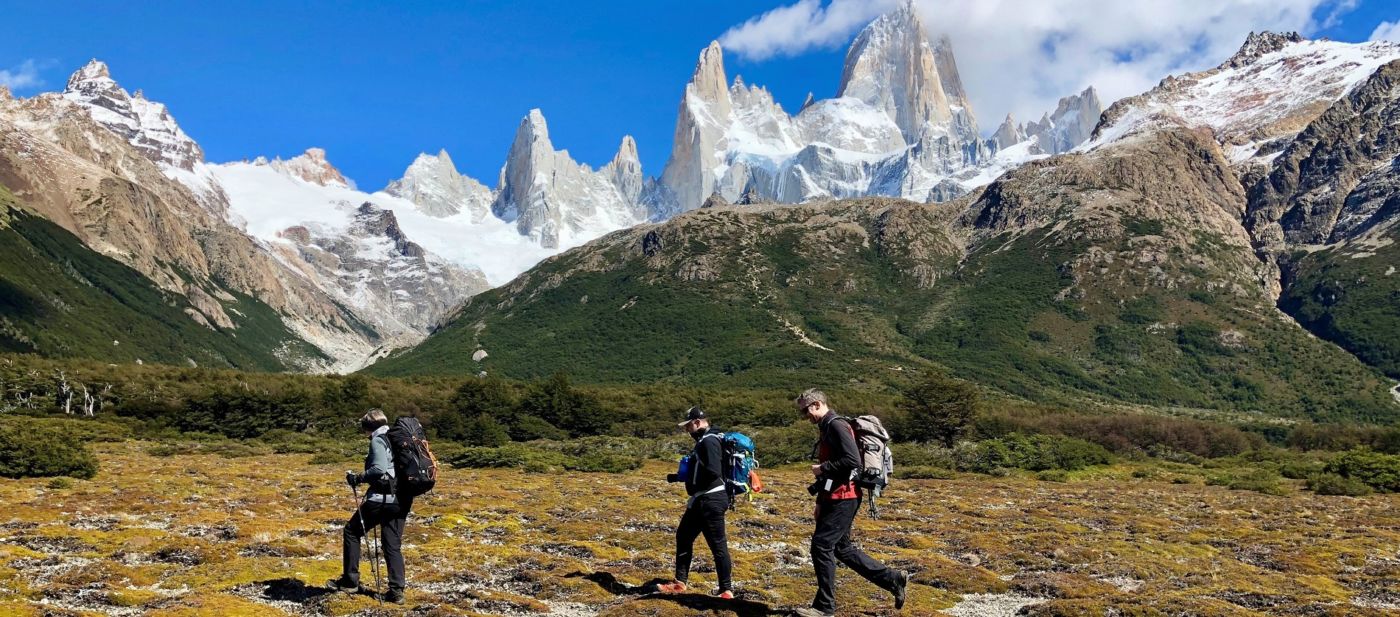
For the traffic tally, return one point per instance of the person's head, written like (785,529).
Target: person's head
(812,405)
(695,421)
(370,422)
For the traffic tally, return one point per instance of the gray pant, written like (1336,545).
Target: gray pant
(390,519)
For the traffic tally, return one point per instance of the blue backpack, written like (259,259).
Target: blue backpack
(740,465)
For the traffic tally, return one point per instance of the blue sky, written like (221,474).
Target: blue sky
(375,84)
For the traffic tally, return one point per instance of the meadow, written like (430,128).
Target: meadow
(166,533)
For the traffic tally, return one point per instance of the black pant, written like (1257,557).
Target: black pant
(831,542)
(390,520)
(705,516)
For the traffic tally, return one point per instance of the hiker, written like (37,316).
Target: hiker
(703,475)
(838,501)
(381,507)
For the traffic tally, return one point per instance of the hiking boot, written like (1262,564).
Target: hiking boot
(901,589)
(342,584)
(726,595)
(812,612)
(671,587)
(393,596)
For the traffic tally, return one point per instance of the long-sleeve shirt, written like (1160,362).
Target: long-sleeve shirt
(707,463)
(839,456)
(379,464)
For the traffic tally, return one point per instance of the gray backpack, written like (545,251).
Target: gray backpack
(876,461)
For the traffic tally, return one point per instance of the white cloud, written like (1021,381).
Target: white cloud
(796,28)
(1020,56)
(26,75)
(1387,31)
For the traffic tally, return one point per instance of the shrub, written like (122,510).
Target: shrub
(530,428)
(923,472)
(936,409)
(1333,484)
(60,483)
(922,455)
(517,456)
(1379,471)
(1053,475)
(1300,469)
(1259,481)
(1031,452)
(31,450)
(785,444)
(244,414)
(483,430)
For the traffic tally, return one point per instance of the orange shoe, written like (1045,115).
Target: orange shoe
(726,595)
(671,587)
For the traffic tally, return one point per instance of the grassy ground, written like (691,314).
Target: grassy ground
(204,535)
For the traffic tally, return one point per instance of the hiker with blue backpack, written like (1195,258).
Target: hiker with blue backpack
(838,488)
(703,473)
(399,467)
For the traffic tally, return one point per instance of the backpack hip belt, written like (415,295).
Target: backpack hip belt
(689,503)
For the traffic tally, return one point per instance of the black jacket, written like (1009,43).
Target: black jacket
(838,443)
(707,464)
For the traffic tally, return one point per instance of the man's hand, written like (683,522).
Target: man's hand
(673,477)
(817,470)
(352,478)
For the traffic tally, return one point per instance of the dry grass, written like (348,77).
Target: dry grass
(204,535)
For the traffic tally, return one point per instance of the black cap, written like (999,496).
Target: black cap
(692,414)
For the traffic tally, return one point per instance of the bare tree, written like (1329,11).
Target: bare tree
(64,397)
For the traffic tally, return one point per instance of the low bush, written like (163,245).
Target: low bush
(1031,452)
(1379,471)
(1259,481)
(1053,475)
(1333,484)
(34,449)
(60,483)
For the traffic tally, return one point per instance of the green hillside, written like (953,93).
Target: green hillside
(1351,295)
(876,284)
(60,299)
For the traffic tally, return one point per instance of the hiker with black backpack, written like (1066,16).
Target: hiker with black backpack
(398,468)
(838,494)
(704,478)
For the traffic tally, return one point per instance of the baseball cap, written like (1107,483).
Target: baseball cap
(692,414)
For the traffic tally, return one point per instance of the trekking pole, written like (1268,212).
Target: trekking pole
(359,513)
(374,556)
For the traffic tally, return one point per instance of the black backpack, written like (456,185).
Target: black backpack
(415,467)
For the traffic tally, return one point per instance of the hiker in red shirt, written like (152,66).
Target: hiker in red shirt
(838,501)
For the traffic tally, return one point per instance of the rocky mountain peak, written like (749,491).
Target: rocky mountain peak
(1260,43)
(1071,123)
(92,71)
(552,198)
(1008,133)
(433,184)
(891,66)
(312,167)
(627,151)
(708,82)
(147,125)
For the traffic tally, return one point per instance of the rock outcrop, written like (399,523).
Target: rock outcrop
(433,183)
(554,199)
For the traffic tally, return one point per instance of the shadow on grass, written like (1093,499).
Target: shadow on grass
(292,590)
(694,601)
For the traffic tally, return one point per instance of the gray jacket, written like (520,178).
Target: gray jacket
(379,464)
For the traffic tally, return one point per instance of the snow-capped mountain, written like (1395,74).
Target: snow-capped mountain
(900,125)
(434,185)
(342,252)
(310,166)
(147,125)
(1255,102)
(557,201)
